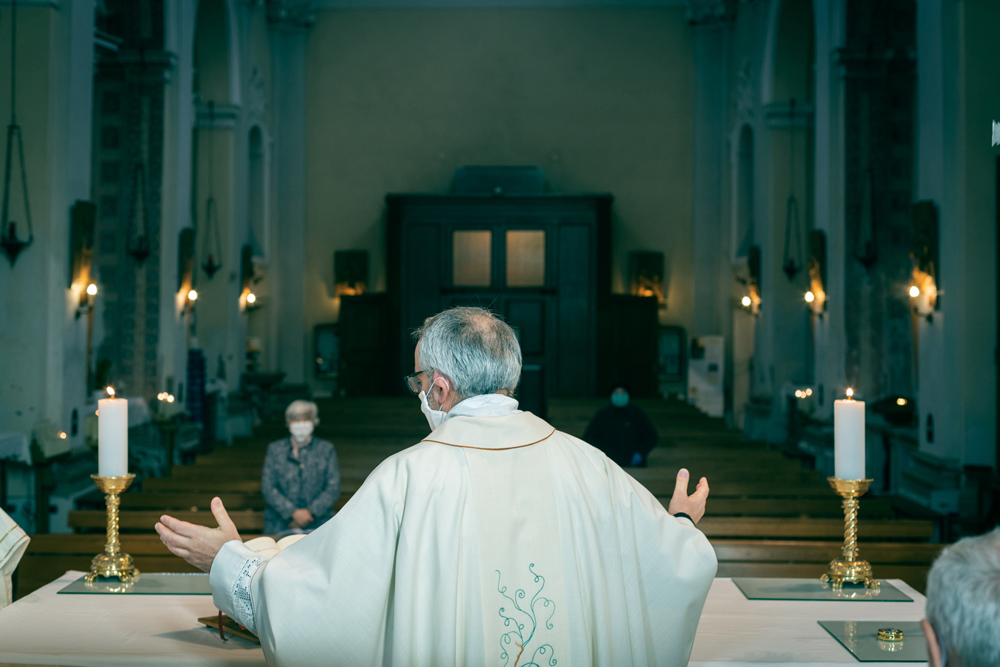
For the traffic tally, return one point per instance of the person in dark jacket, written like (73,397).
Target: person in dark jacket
(622,431)
(301,478)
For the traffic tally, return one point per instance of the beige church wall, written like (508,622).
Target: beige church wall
(211,48)
(600,98)
(218,296)
(29,289)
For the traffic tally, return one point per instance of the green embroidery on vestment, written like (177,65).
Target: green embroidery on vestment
(519,636)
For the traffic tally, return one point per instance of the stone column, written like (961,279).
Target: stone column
(289,22)
(711,20)
(830,344)
(178,122)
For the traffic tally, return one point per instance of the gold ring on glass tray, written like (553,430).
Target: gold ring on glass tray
(890,635)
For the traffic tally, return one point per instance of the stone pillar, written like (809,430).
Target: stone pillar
(178,123)
(711,20)
(830,345)
(956,169)
(289,23)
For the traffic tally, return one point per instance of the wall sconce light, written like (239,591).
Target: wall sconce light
(86,304)
(747,302)
(189,299)
(251,298)
(923,296)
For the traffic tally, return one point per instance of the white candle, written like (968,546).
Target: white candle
(849,438)
(112,436)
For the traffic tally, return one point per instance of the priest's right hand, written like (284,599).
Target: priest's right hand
(693,505)
(198,545)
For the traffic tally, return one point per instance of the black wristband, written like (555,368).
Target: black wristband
(677,515)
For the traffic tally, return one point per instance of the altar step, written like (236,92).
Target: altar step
(49,556)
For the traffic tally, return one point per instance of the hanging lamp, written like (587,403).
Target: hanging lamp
(137,241)
(792,226)
(211,265)
(10,242)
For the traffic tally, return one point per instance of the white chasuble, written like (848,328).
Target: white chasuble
(13,543)
(495,541)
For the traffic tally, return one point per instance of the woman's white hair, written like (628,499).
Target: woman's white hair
(963,600)
(476,350)
(301,407)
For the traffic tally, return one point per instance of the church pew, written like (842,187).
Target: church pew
(813,528)
(765,507)
(49,556)
(752,488)
(246,521)
(751,527)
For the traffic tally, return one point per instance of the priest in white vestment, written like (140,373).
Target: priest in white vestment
(496,540)
(13,543)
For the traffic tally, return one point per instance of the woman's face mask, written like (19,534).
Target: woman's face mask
(301,430)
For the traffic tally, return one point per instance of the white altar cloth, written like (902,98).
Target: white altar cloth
(735,631)
(157,630)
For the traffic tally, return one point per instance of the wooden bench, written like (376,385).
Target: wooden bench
(49,556)
(892,560)
(813,528)
(751,527)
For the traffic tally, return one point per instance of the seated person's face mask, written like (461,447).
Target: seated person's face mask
(434,417)
(301,430)
(619,399)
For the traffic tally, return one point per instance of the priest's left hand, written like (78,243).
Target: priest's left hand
(198,545)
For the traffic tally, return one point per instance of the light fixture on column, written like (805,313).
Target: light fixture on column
(213,260)
(10,242)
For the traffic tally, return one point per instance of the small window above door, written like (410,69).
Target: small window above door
(471,251)
(525,258)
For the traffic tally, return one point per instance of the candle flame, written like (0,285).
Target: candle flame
(850,394)
(111,391)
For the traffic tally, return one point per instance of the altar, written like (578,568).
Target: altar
(46,628)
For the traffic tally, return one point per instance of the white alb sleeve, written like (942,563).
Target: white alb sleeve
(232,573)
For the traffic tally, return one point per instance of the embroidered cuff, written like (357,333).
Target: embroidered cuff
(231,576)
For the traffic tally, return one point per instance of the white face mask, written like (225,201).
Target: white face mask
(301,431)
(434,417)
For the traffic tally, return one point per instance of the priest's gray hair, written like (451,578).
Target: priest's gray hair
(963,601)
(301,407)
(476,350)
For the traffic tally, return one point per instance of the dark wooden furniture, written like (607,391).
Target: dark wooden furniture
(542,261)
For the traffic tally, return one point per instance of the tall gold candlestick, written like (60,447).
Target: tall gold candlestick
(112,563)
(849,568)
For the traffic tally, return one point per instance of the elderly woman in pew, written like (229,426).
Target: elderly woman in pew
(301,479)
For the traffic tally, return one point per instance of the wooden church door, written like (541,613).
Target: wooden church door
(539,262)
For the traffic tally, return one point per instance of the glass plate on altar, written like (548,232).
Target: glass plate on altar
(149,583)
(766,588)
(861,639)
